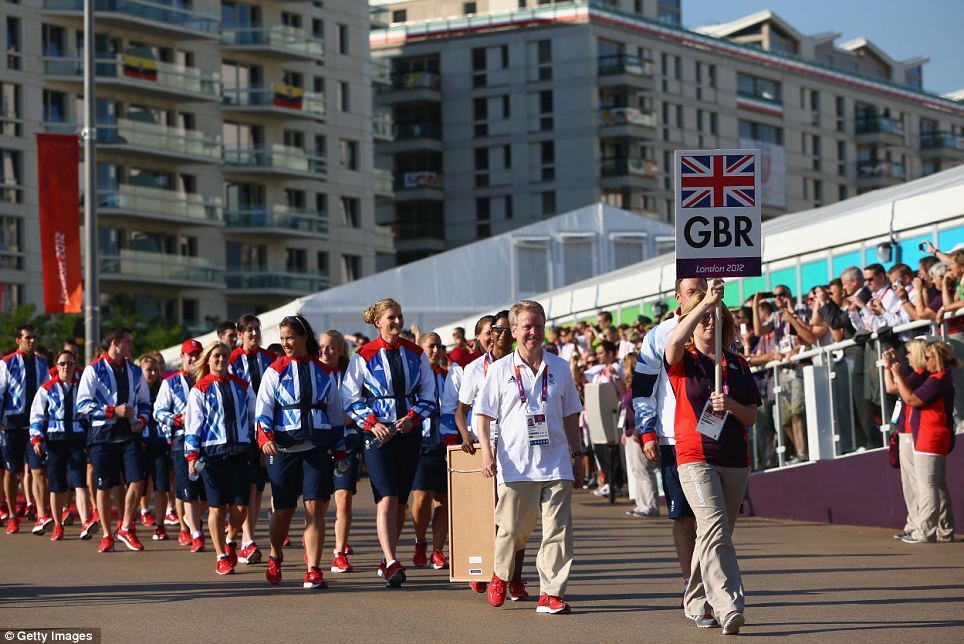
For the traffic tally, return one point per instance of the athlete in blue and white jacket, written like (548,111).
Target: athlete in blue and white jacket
(97,400)
(205,430)
(48,413)
(170,406)
(16,400)
(280,405)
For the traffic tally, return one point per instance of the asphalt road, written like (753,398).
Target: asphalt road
(806,582)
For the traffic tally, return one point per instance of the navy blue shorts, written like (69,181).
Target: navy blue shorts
(345,472)
(259,473)
(66,465)
(306,474)
(184,488)
(156,462)
(432,472)
(17,450)
(112,459)
(391,467)
(227,480)
(676,504)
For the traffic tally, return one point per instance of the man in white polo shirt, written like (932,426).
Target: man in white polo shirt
(532,396)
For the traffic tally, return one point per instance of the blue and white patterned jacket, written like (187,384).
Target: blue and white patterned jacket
(206,432)
(172,402)
(16,408)
(97,398)
(280,406)
(47,413)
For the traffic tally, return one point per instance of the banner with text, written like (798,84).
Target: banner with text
(57,159)
(718,218)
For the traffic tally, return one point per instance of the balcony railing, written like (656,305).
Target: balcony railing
(383,126)
(418,180)
(943,140)
(279,157)
(383,180)
(381,71)
(761,97)
(626,116)
(278,95)
(379,17)
(159,267)
(623,166)
(873,169)
(277,36)
(164,203)
(280,217)
(159,137)
(625,64)
(144,72)
(413,80)
(428,130)
(165,14)
(879,124)
(274,279)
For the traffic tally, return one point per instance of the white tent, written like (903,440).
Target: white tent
(486,274)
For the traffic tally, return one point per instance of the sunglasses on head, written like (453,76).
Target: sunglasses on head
(292,320)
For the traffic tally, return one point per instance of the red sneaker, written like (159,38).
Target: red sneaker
(148,520)
(231,549)
(30,512)
(349,550)
(479,586)
(4,511)
(273,571)
(67,517)
(13,525)
(58,534)
(395,575)
(184,537)
(250,554)
(381,568)
(106,544)
(171,518)
(160,534)
(224,567)
(129,538)
(286,543)
(552,605)
(88,529)
(517,591)
(95,516)
(438,559)
(197,544)
(496,592)
(41,525)
(420,560)
(340,563)
(314,579)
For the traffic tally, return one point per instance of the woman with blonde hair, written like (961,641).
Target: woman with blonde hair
(915,375)
(712,452)
(388,391)
(932,424)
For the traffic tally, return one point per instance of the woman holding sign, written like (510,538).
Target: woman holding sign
(712,452)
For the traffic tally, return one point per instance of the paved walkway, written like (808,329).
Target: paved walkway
(808,582)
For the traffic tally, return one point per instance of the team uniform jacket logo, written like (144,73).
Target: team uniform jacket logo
(721,181)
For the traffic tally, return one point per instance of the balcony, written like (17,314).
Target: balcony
(278,160)
(276,221)
(879,174)
(629,122)
(280,100)
(942,145)
(277,41)
(161,269)
(420,185)
(414,137)
(274,281)
(379,17)
(762,102)
(157,18)
(140,75)
(411,87)
(381,71)
(880,130)
(383,128)
(165,205)
(623,70)
(383,183)
(620,172)
(146,139)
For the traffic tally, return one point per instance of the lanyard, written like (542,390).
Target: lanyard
(545,385)
(485,365)
(697,358)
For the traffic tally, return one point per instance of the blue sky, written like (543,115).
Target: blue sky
(929,28)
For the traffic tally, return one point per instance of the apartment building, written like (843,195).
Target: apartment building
(508,111)
(234,148)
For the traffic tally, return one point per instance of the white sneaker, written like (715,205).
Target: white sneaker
(703,621)
(732,623)
(603,491)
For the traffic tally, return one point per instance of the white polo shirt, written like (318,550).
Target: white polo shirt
(499,399)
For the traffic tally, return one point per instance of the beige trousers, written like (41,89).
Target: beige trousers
(905,443)
(935,520)
(642,479)
(520,505)
(715,494)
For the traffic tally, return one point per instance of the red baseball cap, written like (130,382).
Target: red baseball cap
(191,346)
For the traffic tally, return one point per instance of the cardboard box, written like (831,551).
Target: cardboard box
(602,413)
(471,517)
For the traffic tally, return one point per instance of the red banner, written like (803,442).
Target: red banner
(57,159)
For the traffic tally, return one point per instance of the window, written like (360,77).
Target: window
(11,176)
(53,41)
(296,260)
(841,123)
(481,159)
(189,311)
(507,157)
(547,152)
(321,204)
(532,264)
(350,212)
(761,132)
(348,154)
(577,264)
(548,204)
(508,207)
(628,250)
(399,15)
(761,88)
(318,28)
(468,8)
(842,193)
(13,43)
(481,109)
(544,49)
(478,59)
(344,96)
(11,243)
(10,113)
(341,40)
(545,102)
(322,262)
(504,55)
(483,211)
(351,267)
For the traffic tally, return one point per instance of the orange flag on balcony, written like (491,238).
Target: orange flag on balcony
(57,159)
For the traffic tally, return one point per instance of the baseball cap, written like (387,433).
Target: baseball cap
(191,346)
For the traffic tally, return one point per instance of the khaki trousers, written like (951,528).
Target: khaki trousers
(935,520)
(642,479)
(520,505)
(905,443)
(715,494)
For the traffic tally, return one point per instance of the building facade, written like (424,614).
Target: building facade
(508,111)
(234,148)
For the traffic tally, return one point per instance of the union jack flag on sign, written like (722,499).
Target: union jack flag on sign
(717,181)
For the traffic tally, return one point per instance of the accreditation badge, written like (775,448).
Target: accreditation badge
(711,422)
(538,429)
